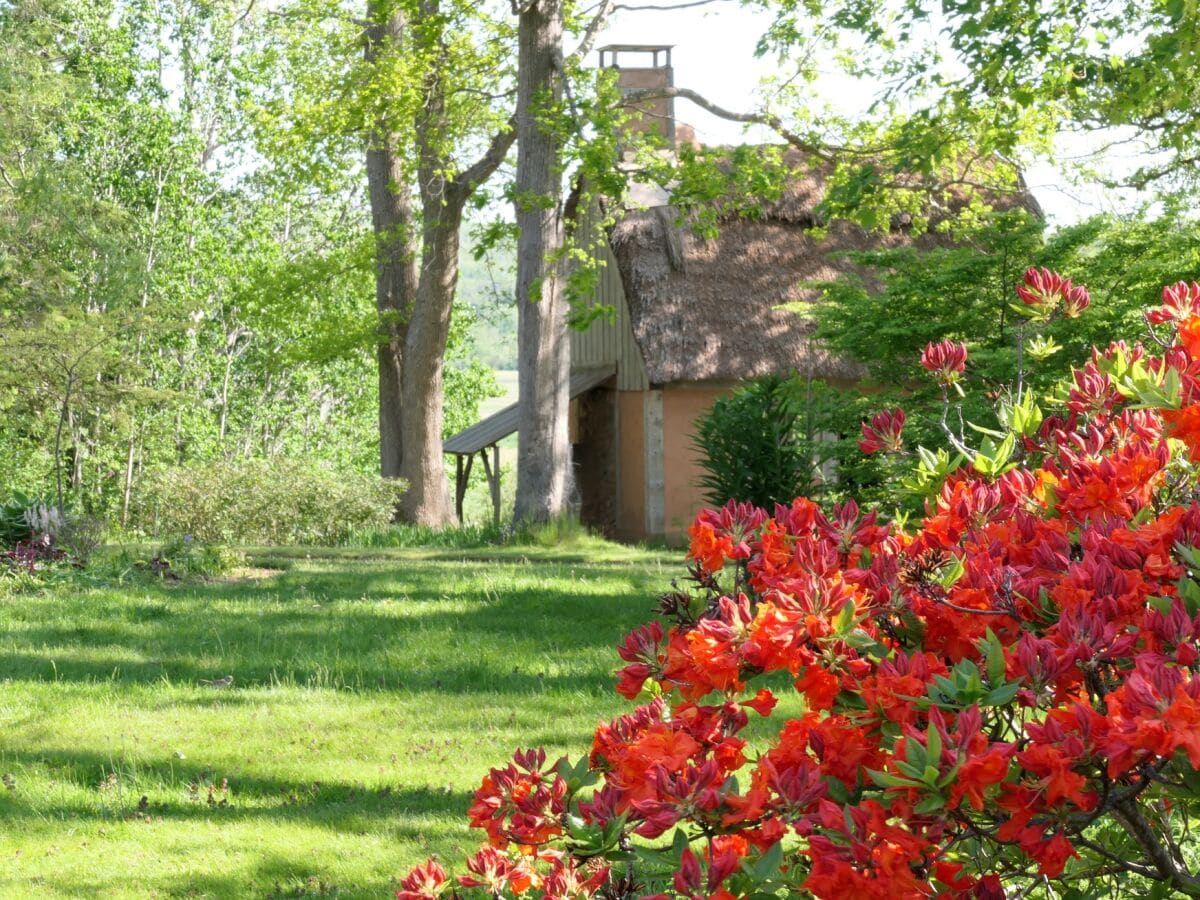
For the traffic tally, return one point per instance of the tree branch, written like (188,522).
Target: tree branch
(593,32)
(769,120)
(1130,817)
(244,14)
(829,153)
(668,7)
(479,172)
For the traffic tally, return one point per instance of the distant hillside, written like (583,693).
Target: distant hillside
(488,289)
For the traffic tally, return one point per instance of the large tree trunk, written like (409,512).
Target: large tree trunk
(395,252)
(543,448)
(427,499)
(416,300)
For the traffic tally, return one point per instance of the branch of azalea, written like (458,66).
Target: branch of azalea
(1125,864)
(967,609)
(1136,826)
(1036,882)
(1166,345)
(1020,361)
(1163,817)
(950,435)
(1110,799)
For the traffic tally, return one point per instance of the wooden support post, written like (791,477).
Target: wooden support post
(458,488)
(496,484)
(461,480)
(493,476)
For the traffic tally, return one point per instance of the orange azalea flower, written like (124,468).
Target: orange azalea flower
(978,773)
(707,548)
(1185,424)
(819,687)
(1057,778)
(1189,336)
(1182,719)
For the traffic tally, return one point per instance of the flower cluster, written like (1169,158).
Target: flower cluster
(1005,694)
(945,360)
(1181,301)
(1045,292)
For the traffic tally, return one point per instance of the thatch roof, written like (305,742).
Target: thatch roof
(707,310)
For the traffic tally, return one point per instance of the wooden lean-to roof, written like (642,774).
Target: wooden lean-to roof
(501,424)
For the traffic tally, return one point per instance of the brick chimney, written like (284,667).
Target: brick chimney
(641,67)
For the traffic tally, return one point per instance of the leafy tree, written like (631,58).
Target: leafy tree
(419,84)
(233,284)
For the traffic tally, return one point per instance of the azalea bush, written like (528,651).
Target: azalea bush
(1000,700)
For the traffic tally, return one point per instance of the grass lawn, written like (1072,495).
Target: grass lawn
(371,692)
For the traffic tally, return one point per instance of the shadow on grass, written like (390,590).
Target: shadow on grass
(338,806)
(600,554)
(271,877)
(452,645)
(384,630)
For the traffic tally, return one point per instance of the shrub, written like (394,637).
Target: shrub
(186,557)
(265,501)
(31,563)
(1001,701)
(81,536)
(751,446)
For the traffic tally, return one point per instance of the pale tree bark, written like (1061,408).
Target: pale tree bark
(543,447)
(416,279)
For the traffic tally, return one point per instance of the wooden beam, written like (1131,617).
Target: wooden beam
(652,412)
(461,480)
(493,476)
(458,488)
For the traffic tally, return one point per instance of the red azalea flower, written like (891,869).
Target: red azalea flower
(1180,301)
(424,882)
(764,701)
(1044,290)
(946,360)
(884,432)
(1075,300)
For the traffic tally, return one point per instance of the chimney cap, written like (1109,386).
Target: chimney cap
(614,50)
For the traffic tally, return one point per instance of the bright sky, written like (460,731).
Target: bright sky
(714,55)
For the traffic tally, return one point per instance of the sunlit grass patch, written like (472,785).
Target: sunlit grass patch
(369,695)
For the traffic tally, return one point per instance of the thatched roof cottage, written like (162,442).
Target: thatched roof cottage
(695,317)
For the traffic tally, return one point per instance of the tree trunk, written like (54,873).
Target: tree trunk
(416,301)
(543,448)
(395,252)
(427,500)
(63,412)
